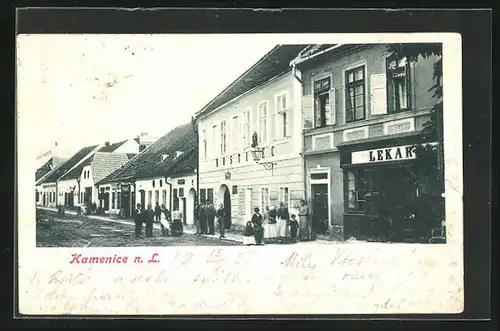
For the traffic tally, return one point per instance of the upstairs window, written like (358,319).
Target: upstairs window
(282,125)
(223,135)
(246,129)
(322,109)
(262,123)
(204,148)
(355,94)
(398,84)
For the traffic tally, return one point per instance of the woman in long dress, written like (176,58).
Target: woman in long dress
(270,224)
(304,228)
(282,222)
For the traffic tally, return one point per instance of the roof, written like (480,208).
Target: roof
(112,147)
(318,52)
(54,176)
(147,162)
(274,63)
(131,155)
(54,169)
(48,166)
(104,163)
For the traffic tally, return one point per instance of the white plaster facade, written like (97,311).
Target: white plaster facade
(130,146)
(226,164)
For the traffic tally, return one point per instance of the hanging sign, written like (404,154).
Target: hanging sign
(395,153)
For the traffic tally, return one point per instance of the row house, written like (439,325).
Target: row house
(163,173)
(48,186)
(41,197)
(364,111)
(77,186)
(265,100)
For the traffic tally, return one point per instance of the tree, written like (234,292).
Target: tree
(430,158)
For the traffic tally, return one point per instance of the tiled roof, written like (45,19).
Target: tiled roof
(112,147)
(147,162)
(185,164)
(54,176)
(48,166)
(105,163)
(274,63)
(54,169)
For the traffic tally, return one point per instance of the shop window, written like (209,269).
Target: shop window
(210,195)
(355,94)
(203,195)
(398,84)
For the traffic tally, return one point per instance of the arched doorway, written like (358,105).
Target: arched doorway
(190,206)
(224,197)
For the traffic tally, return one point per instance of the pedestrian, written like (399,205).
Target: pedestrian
(305,231)
(282,223)
(210,215)
(138,219)
(257,226)
(220,220)
(164,220)
(157,213)
(177,228)
(294,225)
(270,224)
(203,218)
(197,218)
(149,219)
(248,235)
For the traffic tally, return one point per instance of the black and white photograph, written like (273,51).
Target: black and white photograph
(182,173)
(291,143)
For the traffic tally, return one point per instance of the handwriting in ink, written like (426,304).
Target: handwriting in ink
(297,261)
(60,277)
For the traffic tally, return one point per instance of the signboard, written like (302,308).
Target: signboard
(388,154)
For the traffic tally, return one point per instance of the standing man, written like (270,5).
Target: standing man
(149,221)
(157,213)
(203,218)
(177,226)
(220,221)
(138,219)
(211,213)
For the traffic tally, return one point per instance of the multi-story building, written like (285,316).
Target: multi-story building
(265,100)
(41,173)
(364,111)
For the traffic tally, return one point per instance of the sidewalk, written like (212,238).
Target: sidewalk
(189,229)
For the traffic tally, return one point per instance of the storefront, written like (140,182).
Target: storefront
(392,191)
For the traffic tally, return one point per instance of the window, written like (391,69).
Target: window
(81,198)
(246,129)
(235,189)
(164,197)
(150,197)
(161,182)
(223,134)
(355,94)
(398,82)
(282,117)
(157,196)
(118,200)
(264,198)
(235,134)
(113,196)
(284,196)
(363,188)
(204,137)
(203,195)
(214,139)
(263,123)
(210,195)
(322,111)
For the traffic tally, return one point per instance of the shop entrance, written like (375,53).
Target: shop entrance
(225,196)
(319,208)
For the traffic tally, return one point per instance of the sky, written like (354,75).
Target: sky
(81,90)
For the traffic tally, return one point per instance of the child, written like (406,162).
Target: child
(294,225)
(257,226)
(248,235)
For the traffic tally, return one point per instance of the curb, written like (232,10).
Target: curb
(155,225)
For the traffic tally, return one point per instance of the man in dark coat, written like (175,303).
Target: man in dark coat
(203,218)
(211,213)
(157,213)
(138,219)
(149,221)
(220,221)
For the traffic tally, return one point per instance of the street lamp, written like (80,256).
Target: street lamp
(258,154)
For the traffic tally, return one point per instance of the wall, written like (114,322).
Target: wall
(48,188)
(64,186)
(131,146)
(89,182)
(147,185)
(245,173)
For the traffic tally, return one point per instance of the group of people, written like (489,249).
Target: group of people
(276,224)
(170,223)
(206,220)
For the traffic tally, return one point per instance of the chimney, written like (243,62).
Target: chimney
(106,143)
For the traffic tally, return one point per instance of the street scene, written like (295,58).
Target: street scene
(312,143)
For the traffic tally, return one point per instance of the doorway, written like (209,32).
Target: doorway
(320,205)
(191,206)
(225,196)
(184,210)
(142,198)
